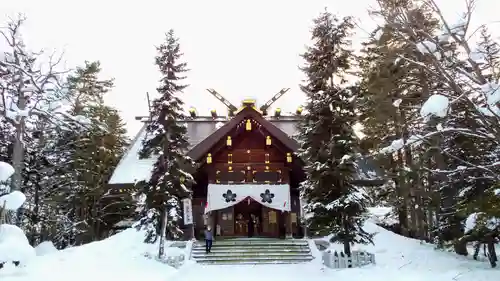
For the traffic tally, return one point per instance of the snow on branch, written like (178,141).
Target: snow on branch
(26,84)
(6,171)
(436,105)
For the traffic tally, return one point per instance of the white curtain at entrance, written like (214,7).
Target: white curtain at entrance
(275,196)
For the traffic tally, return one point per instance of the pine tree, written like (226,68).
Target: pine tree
(446,169)
(101,146)
(327,138)
(90,153)
(167,137)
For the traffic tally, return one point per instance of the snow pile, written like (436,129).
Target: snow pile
(14,246)
(45,248)
(12,201)
(123,257)
(405,259)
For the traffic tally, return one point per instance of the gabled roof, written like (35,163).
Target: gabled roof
(204,132)
(131,168)
(204,146)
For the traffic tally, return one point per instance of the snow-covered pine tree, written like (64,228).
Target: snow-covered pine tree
(392,90)
(94,152)
(462,147)
(167,137)
(327,139)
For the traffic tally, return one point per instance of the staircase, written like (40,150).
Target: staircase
(253,251)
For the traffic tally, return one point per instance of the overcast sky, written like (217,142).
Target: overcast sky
(240,48)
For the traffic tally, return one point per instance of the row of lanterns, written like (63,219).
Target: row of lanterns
(213,112)
(229,141)
(289,158)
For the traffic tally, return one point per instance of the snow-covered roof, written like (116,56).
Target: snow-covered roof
(131,169)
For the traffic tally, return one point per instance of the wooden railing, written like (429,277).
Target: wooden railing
(250,173)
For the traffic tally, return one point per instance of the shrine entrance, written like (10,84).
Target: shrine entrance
(248,218)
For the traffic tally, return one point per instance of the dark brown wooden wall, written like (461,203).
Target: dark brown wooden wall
(247,157)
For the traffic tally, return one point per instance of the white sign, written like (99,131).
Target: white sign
(188,211)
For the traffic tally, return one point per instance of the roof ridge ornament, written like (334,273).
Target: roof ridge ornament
(270,102)
(230,107)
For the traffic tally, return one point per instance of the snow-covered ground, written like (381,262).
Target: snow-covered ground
(121,257)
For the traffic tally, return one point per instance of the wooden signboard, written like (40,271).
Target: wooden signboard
(272,217)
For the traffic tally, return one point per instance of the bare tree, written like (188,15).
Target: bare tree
(28,87)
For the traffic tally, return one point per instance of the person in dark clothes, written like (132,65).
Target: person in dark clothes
(208,239)
(251,223)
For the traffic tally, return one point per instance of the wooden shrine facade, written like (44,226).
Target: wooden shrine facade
(245,155)
(248,177)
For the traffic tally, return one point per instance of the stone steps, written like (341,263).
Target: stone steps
(242,249)
(253,251)
(254,254)
(237,261)
(261,240)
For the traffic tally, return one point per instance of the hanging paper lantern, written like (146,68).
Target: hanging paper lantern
(248,125)
(268,140)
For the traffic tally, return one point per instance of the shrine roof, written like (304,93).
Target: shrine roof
(276,129)
(132,169)
(204,132)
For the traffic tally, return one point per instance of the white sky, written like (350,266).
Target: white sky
(240,48)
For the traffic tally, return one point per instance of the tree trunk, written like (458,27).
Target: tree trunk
(18,153)
(163,227)
(401,187)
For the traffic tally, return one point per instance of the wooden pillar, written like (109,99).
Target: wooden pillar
(288,225)
(210,219)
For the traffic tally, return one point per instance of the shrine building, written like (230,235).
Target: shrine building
(247,181)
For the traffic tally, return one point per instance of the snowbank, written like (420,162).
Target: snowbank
(14,245)
(45,248)
(406,259)
(121,257)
